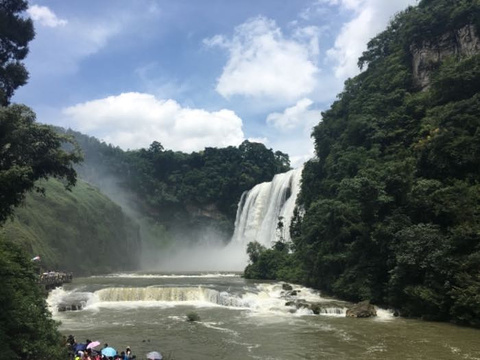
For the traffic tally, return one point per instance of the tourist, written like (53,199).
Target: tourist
(128,353)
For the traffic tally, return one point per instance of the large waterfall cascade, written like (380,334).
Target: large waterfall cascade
(263,207)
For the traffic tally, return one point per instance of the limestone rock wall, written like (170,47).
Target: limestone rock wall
(427,56)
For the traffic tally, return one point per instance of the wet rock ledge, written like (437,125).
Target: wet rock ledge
(334,307)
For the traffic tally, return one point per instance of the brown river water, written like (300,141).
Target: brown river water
(242,319)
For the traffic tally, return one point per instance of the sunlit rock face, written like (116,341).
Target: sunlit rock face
(427,56)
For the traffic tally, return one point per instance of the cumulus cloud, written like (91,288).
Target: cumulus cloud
(135,120)
(265,63)
(369,18)
(44,16)
(294,117)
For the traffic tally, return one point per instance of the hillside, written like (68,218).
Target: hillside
(81,231)
(391,202)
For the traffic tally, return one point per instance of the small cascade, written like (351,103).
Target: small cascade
(168,294)
(157,294)
(262,208)
(61,300)
(273,298)
(333,311)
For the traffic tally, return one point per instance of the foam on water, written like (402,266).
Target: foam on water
(170,276)
(217,326)
(262,299)
(59,297)
(384,315)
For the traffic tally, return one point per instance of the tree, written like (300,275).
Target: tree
(15,34)
(27,330)
(29,152)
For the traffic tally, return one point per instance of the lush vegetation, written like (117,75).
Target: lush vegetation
(27,330)
(16,32)
(391,202)
(183,193)
(62,227)
(28,152)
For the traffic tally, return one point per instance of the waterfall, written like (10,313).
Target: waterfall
(158,294)
(169,294)
(261,209)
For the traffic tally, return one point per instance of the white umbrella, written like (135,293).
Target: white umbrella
(154,355)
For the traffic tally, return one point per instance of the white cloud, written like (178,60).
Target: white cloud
(293,127)
(298,148)
(44,16)
(135,120)
(369,18)
(296,116)
(262,140)
(264,63)
(56,53)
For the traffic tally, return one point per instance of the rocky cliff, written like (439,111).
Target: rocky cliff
(427,56)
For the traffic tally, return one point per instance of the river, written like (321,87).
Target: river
(242,319)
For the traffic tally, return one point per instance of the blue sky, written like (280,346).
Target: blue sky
(196,73)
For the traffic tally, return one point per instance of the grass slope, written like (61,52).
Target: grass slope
(80,231)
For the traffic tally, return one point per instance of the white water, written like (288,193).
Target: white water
(260,299)
(241,319)
(261,209)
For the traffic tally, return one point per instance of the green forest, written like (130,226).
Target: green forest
(389,207)
(181,192)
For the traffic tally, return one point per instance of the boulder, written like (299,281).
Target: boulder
(316,308)
(299,303)
(287,287)
(362,310)
(70,306)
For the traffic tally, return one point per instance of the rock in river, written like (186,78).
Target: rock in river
(362,310)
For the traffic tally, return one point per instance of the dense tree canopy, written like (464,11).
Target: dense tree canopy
(171,186)
(28,152)
(391,201)
(16,32)
(27,331)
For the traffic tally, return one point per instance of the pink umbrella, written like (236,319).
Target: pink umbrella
(93,344)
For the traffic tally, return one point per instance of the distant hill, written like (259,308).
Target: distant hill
(81,231)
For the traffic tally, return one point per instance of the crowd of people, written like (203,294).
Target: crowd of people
(51,279)
(89,351)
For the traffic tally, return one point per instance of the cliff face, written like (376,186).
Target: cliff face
(427,56)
